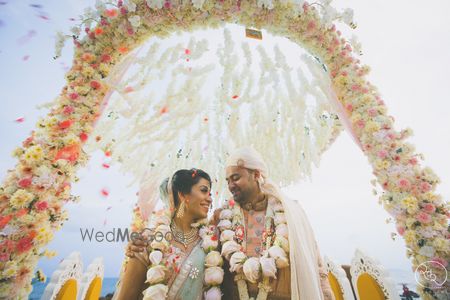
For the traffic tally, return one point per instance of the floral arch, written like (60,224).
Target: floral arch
(32,207)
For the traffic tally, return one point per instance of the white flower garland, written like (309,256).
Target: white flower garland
(276,247)
(156,274)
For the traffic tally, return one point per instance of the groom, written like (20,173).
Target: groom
(306,277)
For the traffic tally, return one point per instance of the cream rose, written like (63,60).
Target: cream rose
(224,224)
(236,261)
(282,242)
(156,274)
(156,292)
(160,245)
(162,220)
(227,235)
(155,257)
(279,255)
(213,293)
(252,269)
(213,259)
(213,276)
(282,230)
(226,214)
(268,266)
(228,248)
(209,243)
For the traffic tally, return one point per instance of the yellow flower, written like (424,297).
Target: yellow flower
(372,126)
(386,164)
(410,237)
(441,244)
(410,203)
(50,122)
(9,270)
(21,199)
(410,221)
(34,154)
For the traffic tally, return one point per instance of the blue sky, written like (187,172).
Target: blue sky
(407,45)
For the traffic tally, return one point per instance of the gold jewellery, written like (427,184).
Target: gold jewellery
(181,237)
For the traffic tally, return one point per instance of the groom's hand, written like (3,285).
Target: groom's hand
(136,245)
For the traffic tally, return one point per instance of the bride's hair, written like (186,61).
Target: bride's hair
(183,180)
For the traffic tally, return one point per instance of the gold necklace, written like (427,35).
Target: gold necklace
(181,237)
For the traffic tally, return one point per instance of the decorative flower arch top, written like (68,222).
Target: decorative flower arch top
(32,195)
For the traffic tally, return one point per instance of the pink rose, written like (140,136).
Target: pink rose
(400,230)
(404,184)
(382,153)
(423,217)
(429,208)
(441,261)
(425,186)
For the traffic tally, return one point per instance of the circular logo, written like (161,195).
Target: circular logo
(431,274)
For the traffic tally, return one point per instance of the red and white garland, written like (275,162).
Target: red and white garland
(163,256)
(275,242)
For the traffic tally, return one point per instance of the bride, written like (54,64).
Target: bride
(181,260)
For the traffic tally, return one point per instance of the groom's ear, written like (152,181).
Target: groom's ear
(257,174)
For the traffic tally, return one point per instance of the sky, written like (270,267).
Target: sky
(405,42)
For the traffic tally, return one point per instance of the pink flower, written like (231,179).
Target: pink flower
(41,205)
(423,217)
(4,220)
(25,182)
(65,124)
(4,257)
(429,208)
(400,230)
(73,96)
(404,184)
(111,13)
(349,107)
(24,244)
(372,112)
(361,123)
(441,261)
(425,186)
(68,110)
(95,84)
(413,161)
(382,153)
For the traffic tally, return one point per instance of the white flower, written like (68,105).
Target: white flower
(213,293)
(282,230)
(282,242)
(155,3)
(226,214)
(198,3)
(227,235)
(279,218)
(268,266)
(347,16)
(224,224)
(155,257)
(76,30)
(213,259)
(156,292)
(266,3)
(160,245)
(252,269)
(99,5)
(280,256)
(236,261)
(209,243)
(130,5)
(427,251)
(135,21)
(156,274)
(229,247)
(213,276)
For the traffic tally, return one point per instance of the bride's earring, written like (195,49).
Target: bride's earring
(181,209)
